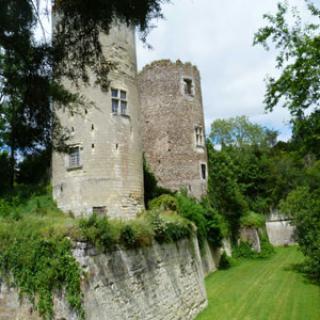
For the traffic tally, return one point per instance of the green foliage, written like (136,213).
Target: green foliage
(39,266)
(303,205)
(169,228)
(137,233)
(106,235)
(164,202)
(298,86)
(252,219)
(98,231)
(4,172)
(240,132)
(151,188)
(244,249)
(224,192)
(224,262)
(195,212)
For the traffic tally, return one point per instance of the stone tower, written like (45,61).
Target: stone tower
(173,125)
(102,172)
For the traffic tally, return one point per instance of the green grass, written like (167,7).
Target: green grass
(267,289)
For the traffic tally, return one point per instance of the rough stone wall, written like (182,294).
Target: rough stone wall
(170,118)
(156,283)
(210,258)
(251,236)
(110,174)
(280,230)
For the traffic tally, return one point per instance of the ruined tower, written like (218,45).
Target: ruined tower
(102,172)
(173,125)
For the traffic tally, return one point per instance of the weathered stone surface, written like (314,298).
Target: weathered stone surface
(170,118)
(280,230)
(156,283)
(110,175)
(251,236)
(210,258)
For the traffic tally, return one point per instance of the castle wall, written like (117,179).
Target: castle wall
(280,230)
(173,125)
(156,283)
(109,176)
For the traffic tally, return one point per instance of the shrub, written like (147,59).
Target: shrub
(136,234)
(98,231)
(303,205)
(252,220)
(225,262)
(40,266)
(170,228)
(164,202)
(244,250)
(195,212)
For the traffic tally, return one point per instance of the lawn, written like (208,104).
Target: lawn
(263,290)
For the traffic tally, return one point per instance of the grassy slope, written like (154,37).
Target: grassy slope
(263,290)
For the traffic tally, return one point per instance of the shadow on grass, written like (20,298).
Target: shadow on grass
(303,269)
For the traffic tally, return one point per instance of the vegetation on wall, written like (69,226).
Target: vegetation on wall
(36,241)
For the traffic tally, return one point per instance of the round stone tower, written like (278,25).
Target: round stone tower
(102,172)
(173,125)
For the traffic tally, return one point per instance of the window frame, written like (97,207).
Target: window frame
(119,101)
(199,136)
(74,159)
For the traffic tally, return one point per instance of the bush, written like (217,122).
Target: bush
(136,234)
(39,266)
(99,232)
(164,202)
(244,250)
(252,220)
(225,262)
(170,228)
(303,205)
(192,210)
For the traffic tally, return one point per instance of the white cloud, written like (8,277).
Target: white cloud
(217,36)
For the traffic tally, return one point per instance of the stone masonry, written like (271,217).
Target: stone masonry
(173,125)
(161,282)
(103,171)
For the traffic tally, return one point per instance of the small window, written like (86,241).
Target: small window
(203,171)
(199,136)
(119,101)
(188,87)
(74,157)
(99,211)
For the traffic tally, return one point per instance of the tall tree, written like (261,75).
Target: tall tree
(240,132)
(27,84)
(298,46)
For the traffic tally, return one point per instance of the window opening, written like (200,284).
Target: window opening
(188,87)
(100,211)
(199,136)
(119,101)
(203,171)
(74,157)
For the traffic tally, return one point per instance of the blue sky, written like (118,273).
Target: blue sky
(217,36)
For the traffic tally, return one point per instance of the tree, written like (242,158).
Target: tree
(298,45)
(224,193)
(28,85)
(306,134)
(303,205)
(240,132)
